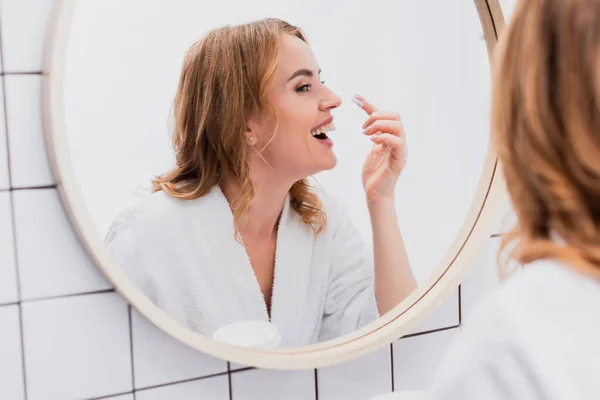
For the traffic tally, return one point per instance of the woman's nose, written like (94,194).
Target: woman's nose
(330,101)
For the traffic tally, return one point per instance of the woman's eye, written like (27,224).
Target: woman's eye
(304,88)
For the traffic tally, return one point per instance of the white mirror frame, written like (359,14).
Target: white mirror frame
(445,278)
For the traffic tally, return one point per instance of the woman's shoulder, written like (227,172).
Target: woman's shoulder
(156,213)
(537,294)
(542,323)
(541,280)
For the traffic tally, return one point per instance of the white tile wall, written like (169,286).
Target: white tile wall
(4,182)
(416,358)
(445,316)
(349,381)
(258,384)
(159,359)
(80,346)
(77,347)
(8,268)
(216,388)
(50,267)
(11,366)
(28,160)
(23,25)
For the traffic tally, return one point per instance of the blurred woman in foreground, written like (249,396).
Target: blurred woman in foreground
(537,337)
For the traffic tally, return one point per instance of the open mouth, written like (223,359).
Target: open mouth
(321,133)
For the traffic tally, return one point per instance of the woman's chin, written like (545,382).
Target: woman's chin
(323,164)
(328,164)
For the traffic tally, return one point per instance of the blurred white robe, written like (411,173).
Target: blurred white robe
(536,338)
(182,254)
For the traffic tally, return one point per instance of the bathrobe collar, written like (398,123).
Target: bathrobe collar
(293,260)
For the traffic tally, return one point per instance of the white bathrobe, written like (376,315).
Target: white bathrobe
(183,255)
(537,337)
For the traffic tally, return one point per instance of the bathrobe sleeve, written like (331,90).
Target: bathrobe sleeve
(124,243)
(350,301)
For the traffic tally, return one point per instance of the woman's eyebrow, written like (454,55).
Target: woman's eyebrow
(302,72)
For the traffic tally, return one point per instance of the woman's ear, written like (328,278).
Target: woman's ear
(250,137)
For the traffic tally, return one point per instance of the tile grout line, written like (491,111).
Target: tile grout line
(447,328)
(111,396)
(4,111)
(16,189)
(316,384)
(129,316)
(235,371)
(62,296)
(141,389)
(14,73)
(459,305)
(392,365)
(13,218)
(23,353)
(229,380)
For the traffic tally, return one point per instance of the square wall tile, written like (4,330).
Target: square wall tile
(417,358)
(29,165)
(159,359)
(262,384)
(23,25)
(8,269)
(11,362)
(358,379)
(445,316)
(77,347)
(215,388)
(59,266)
(4,181)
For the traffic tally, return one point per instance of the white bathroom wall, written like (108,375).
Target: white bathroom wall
(136,69)
(65,333)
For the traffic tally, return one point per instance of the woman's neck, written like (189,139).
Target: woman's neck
(265,208)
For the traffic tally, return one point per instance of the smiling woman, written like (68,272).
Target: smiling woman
(244,140)
(270,212)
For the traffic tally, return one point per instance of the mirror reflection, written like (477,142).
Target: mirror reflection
(248,167)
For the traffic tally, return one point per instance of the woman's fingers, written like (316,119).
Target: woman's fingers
(377,115)
(364,104)
(385,125)
(394,143)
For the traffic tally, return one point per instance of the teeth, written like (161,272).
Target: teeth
(327,128)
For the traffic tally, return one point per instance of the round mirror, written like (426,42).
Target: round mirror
(214,163)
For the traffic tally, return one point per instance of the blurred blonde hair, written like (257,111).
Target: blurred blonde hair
(546,130)
(224,80)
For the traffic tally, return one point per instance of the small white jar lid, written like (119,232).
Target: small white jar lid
(254,333)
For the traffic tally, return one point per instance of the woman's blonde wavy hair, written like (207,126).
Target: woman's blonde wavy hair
(546,130)
(224,80)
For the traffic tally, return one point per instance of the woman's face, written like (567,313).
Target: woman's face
(302,103)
